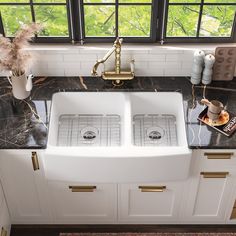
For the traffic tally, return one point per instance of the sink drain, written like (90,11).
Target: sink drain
(155,133)
(89,133)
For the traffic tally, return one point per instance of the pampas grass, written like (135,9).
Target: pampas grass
(13,58)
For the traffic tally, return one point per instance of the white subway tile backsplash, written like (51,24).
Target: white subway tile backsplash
(65,65)
(166,50)
(179,57)
(80,57)
(50,57)
(55,72)
(149,60)
(175,72)
(72,72)
(38,71)
(149,72)
(165,65)
(149,57)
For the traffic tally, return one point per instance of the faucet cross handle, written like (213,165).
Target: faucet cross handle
(118,41)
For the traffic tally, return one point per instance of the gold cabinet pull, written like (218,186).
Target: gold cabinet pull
(35,161)
(83,189)
(152,188)
(3,232)
(233,214)
(214,174)
(219,155)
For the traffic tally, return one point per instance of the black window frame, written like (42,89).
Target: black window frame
(41,39)
(159,18)
(155,5)
(198,39)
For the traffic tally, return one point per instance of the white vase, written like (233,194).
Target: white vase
(21,85)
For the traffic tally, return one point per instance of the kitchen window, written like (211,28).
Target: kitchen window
(134,20)
(200,21)
(53,14)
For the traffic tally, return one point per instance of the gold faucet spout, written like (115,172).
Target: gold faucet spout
(116,75)
(104,59)
(95,68)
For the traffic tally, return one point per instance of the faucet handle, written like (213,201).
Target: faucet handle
(118,41)
(132,65)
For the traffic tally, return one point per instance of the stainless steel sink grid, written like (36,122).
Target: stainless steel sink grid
(89,130)
(155,130)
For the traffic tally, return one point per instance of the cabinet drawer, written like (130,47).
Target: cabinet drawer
(1,196)
(83,203)
(208,194)
(216,159)
(5,224)
(150,203)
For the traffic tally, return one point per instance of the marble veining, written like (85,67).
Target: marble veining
(24,124)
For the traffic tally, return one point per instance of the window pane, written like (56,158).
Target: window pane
(184,1)
(99,1)
(54,20)
(99,20)
(219,1)
(217,21)
(134,21)
(49,1)
(135,1)
(15,1)
(13,17)
(182,21)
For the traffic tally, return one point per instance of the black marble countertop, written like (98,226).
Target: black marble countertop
(23,124)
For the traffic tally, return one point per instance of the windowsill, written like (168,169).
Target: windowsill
(128,47)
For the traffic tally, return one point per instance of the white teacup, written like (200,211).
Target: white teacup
(215,108)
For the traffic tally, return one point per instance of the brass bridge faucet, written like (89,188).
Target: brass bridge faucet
(116,76)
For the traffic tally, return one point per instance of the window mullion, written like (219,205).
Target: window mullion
(162,22)
(32,11)
(234,29)
(1,25)
(70,21)
(117,17)
(76,21)
(200,18)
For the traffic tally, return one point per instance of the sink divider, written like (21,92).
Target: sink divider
(127,121)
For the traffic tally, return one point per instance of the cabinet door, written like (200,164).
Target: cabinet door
(5,223)
(24,186)
(150,203)
(1,197)
(83,203)
(209,194)
(231,210)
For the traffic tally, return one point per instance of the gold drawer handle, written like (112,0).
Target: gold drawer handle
(152,188)
(214,174)
(233,214)
(83,189)
(35,161)
(3,232)
(219,155)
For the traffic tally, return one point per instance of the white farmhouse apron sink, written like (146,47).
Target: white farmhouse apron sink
(117,137)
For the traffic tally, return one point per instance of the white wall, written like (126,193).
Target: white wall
(150,60)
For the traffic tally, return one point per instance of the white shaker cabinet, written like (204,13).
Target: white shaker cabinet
(1,195)
(76,203)
(150,203)
(24,185)
(210,188)
(5,222)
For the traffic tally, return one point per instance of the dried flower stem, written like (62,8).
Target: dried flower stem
(13,57)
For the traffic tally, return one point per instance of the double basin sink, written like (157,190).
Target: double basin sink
(117,137)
